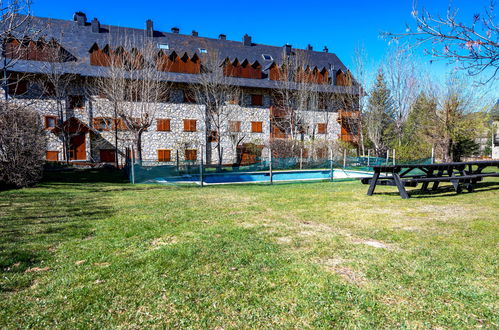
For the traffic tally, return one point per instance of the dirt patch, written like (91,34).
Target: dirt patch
(162,241)
(373,243)
(284,240)
(36,269)
(337,266)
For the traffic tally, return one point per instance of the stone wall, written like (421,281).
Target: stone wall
(177,140)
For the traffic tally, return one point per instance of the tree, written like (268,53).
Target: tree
(22,146)
(217,99)
(474,45)
(56,82)
(379,116)
(15,20)
(400,72)
(134,86)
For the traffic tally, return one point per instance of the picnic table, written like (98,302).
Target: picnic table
(460,174)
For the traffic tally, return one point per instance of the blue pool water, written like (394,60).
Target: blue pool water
(296,175)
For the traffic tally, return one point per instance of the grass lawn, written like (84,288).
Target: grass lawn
(85,252)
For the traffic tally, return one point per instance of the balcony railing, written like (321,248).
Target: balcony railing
(348,138)
(348,114)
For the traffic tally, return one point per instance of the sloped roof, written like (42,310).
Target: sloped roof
(79,39)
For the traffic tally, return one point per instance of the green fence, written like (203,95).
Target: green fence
(192,172)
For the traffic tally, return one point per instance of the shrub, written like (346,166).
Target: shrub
(22,146)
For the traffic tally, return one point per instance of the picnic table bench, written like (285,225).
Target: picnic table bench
(460,174)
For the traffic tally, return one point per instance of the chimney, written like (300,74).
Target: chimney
(287,49)
(149,29)
(325,49)
(222,37)
(95,25)
(175,30)
(309,47)
(247,40)
(80,18)
(195,33)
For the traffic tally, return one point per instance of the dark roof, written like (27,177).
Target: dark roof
(79,39)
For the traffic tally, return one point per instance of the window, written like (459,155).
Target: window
(203,50)
(257,100)
(256,127)
(163,46)
(191,154)
(52,156)
(107,155)
(321,128)
(189,97)
(119,123)
(189,125)
(213,136)
(267,57)
(163,125)
(76,102)
(235,126)
(164,155)
(50,122)
(103,123)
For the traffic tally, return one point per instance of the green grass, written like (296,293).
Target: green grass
(90,250)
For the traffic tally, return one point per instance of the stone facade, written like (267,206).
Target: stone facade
(177,140)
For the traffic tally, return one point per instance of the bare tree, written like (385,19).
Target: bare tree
(15,22)
(217,98)
(134,86)
(475,46)
(56,82)
(400,72)
(22,145)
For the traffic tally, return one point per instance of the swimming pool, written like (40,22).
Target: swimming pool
(255,177)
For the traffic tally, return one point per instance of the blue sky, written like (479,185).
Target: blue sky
(339,24)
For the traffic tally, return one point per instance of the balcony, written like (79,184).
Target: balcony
(348,138)
(342,114)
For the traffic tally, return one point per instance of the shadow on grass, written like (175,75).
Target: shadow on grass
(101,175)
(445,191)
(35,221)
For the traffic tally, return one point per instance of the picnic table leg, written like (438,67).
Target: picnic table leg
(424,187)
(435,184)
(403,193)
(372,185)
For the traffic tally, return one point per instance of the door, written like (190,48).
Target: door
(77,150)
(107,155)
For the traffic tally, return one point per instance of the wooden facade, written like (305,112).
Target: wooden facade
(175,63)
(243,70)
(41,50)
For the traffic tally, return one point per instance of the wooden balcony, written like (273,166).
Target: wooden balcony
(342,114)
(349,138)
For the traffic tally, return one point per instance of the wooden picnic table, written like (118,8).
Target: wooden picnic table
(458,173)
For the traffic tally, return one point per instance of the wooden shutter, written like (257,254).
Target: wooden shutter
(235,126)
(321,128)
(189,125)
(190,154)
(256,127)
(163,124)
(52,156)
(164,155)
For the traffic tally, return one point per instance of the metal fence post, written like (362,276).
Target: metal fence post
(344,158)
(301,158)
(331,162)
(270,167)
(133,165)
(201,168)
(393,156)
(432,154)
(368,156)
